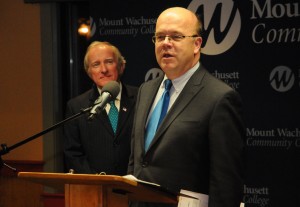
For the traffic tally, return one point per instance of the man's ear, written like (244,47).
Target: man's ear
(198,43)
(122,68)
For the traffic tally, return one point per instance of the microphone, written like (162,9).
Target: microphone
(109,92)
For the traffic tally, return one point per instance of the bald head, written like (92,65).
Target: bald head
(178,44)
(183,16)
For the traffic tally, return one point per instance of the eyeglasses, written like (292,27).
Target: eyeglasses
(173,38)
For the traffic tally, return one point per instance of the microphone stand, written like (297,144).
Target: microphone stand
(6,149)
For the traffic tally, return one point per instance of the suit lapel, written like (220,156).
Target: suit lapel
(127,105)
(102,117)
(191,89)
(149,91)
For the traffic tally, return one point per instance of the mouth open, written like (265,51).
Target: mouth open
(166,55)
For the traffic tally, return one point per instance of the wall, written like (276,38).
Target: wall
(20,78)
(21,100)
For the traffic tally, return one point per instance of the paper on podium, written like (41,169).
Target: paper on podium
(158,187)
(198,200)
(201,201)
(131,177)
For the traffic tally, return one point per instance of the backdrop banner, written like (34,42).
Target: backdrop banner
(252,45)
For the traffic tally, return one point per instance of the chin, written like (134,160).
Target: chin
(104,82)
(101,83)
(167,66)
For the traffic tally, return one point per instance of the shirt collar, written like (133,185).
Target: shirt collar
(180,82)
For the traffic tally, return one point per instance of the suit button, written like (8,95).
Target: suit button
(144,164)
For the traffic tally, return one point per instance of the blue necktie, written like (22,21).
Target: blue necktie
(113,116)
(158,114)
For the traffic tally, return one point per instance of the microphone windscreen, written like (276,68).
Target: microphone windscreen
(113,88)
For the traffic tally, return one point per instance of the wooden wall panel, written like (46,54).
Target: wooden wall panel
(15,192)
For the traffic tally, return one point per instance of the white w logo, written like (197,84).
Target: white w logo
(221,24)
(282,78)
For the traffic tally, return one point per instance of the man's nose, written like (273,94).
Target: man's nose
(103,69)
(167,39)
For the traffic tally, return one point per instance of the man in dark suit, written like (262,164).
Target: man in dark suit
(198,146)
(92,146)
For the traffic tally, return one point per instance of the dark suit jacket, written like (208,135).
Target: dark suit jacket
(91,146)
(199,144)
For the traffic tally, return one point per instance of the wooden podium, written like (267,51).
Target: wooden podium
(100,190)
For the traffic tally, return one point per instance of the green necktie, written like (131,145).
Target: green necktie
(113,116)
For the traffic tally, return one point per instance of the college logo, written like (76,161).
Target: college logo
(92,27)
(153,73)
(282,78)
(221,24)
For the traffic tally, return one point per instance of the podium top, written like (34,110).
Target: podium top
(57,180)
(135,190)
